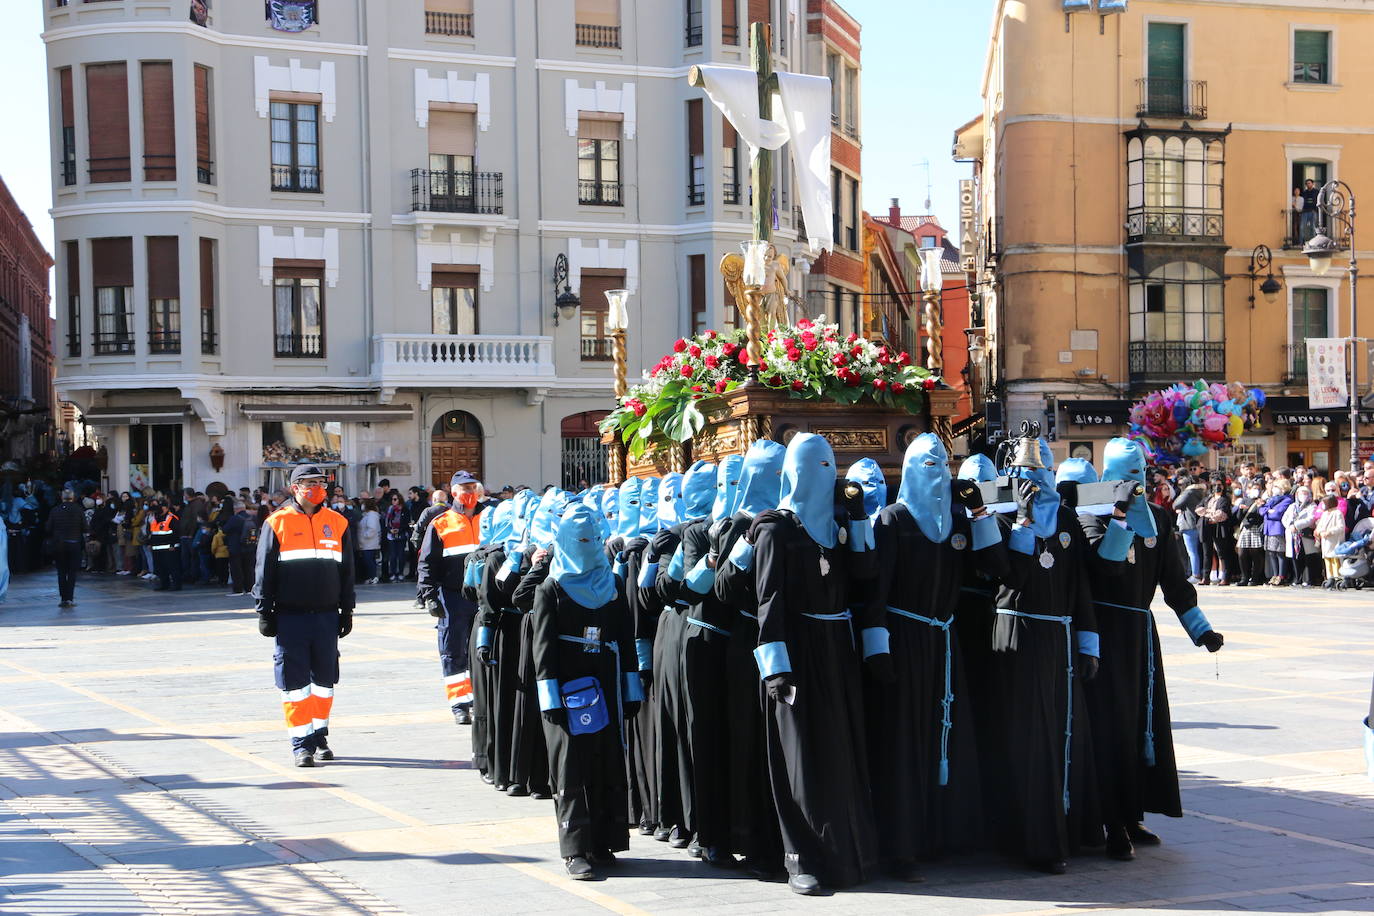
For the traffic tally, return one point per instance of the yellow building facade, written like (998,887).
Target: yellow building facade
(1128,168)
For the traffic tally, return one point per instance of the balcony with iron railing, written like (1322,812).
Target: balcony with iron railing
(597,193)
(1175,360)
(597,349)
(109,169)
(302,178)
(164,342)
(209,342)
(483,360)
(106,343)
(1174,223)
(1299,226)
(205,171)
(440,191)
(453,24)
(1171,98)
(299,346)
(1297,364)
(597,36)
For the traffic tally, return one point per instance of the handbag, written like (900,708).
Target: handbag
(586,706)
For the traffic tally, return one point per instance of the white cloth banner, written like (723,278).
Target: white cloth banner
(804,102)
(1326,381)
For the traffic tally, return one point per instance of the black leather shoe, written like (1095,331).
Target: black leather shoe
(694,849)
(646,829)
(677,840)
(1141,836)
(1119,845)
(323,752)
(303,757)
(579,869)
(462,715)
(909,872)
(487,777)
(806,885)
(541,795)
(1050,866)
(661,834)
(716,858)
(760,870)
(515,790)
(602,858)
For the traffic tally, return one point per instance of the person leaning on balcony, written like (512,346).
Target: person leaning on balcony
(1309,194)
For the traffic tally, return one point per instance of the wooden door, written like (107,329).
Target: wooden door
(448,456)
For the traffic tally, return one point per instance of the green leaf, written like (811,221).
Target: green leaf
(694,421)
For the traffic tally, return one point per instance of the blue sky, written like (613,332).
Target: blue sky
(922,62)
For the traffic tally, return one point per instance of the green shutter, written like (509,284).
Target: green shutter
(1311,57)
(1165,60)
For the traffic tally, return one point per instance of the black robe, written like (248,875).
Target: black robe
(497,611)
(586,772)
(529,757)
(817,755)
(672,766)
(1033,700)
(483,676)
(1120,697)
(913,739)
(641,730)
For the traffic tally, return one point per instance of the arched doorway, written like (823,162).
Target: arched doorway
(584,457)
(455,444)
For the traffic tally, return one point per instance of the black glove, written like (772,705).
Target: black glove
(646,679)
(1087,666)
(967,494)
(555,716)
(630,708)
(851,496)
(1125,494)
(779,685)
(484,655)
(267,623)
(1026,491)
(345,622)
(434,607)
(881,668)
(1213,640)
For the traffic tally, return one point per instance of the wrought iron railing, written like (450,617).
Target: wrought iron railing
(106,342)
(597,36)
(599,193)
(159,168)
(1155,222)
(109,168)
(730,190)
(1171,98)
(209,342)
(694,33)
(596,349)
(1300,225)
(442,191)
(459,24)
(205,171)
(74,340)
(305,178)
(1297,362)
(299,346)
(164,341)
(1176,360)
(696,195)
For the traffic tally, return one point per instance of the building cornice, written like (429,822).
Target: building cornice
(190,30)
(462,58)
(578,227)
(1200,126)
(210,211)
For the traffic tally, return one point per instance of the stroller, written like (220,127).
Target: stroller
(1354,554)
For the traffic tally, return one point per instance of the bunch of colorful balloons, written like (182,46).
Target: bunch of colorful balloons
(1184,421)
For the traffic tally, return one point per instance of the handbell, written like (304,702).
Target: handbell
(1027,454)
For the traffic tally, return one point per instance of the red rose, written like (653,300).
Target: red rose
(882,351)
(879,384)
(698,388)
(898,388)
(794,354)
(710,335)
(853,380)
(807,335)
(811,344)
(721,386)
(687,371)
(928,383)
(763,366)
(774,381)
(851,338)
(712,362)
(789,343)
(904,358)
(679,345)
(695,351)
(729,348)
(839,359)
(638,407)
(805,323)
(743,356)
(858,350)
(798,384)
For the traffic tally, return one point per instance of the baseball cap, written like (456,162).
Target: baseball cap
(462,477)
(303,471)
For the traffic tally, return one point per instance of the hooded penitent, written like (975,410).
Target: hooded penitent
(698,491)
(1070,474)
(648,506)
(579,563)
(1046,504)
(1124,459)
(925,489)
(551,507)
(727,487)
(979,468)
(868,475)
(669,500)
(808,486)
(627,509)
(760,483)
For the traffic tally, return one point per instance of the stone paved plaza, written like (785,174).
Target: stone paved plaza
(144,769)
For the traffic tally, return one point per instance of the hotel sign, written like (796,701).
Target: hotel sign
(968,225)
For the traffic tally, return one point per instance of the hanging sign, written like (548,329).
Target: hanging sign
(1326,373)
(292,15)
(968,225)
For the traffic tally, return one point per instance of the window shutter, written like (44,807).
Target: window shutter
(694,126)
(454,276)
(64,82)
(729,136)
(758,11)
(107,121)
(729,21)
(1165,51)
(297,269)
(203,160)
(448,6)
(452,133)
(159,123)
(1311,55)
(164,269)
(112,262)
(598,126)
(597,12)
(696,269)
(594,285)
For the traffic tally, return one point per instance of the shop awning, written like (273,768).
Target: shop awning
(323,413)
(1290,411)
(133,416)
(1097,413)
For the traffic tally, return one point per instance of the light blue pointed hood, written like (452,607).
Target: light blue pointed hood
(498,523)
(698,491)
(610,509)
(484,526)
(524,504)
(545,523)
(1124,459)
(1076,470)
(592,500)
(669,500)
(627,508)
(648,506)
(760,483)
(979,468)
(808,486)
(868,474)
(1046,506)
(925,489)
(579,563)
(727,487)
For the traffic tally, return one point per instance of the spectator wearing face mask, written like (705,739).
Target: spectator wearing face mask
(1299,524)
(1249,508)
(1331,531)
(1191,496)
(1276,566)
(1219,535)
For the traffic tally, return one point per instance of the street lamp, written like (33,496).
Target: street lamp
(565,304)
(1336,208)
(617,320)
(1262,259)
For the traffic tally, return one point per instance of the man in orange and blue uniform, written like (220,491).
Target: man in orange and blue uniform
(450,537)
(305,599)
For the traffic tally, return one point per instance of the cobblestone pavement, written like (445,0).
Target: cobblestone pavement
(144,769)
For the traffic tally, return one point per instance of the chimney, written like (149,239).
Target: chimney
(894,213)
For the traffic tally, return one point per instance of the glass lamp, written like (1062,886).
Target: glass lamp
(755,261)
(1319,251)
(931,276)
(619,318)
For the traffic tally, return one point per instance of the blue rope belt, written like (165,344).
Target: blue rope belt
(615,650)
(840,615)
(1067,623)
(1149,752)
(946,704)
(707,626)
(753,617)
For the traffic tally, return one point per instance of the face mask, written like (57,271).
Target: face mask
(338,504)
(1253,493)
(314,495)
(1236,491)
(1345,485)
(468,500)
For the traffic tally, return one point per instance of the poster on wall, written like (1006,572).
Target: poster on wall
(140,478)
(291,443)
(292,15)
(1326,373)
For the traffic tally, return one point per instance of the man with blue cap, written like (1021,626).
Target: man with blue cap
(923,752)
(1133,554)
(584,661)
(806,552)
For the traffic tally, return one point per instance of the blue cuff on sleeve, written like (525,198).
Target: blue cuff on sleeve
(701,578)
(772,659)
(742,555)
(1022,540)
(549,697)
(876,641)
(1196,624)
(861,535)
(647,574)
(634,690)
(1369,748)
(1088,644)
(644,651)
(484,637)
(1116,542)
(986,531)
(676,566)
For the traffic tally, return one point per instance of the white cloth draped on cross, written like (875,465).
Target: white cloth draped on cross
(805,105)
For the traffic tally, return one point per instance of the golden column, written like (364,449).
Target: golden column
(617,319)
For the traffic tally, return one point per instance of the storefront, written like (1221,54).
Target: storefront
(1088,425)
(1317,439)
(325,435)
